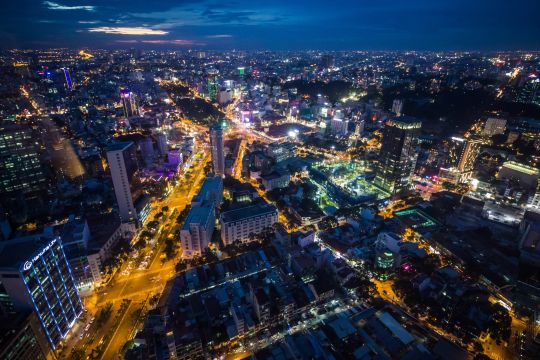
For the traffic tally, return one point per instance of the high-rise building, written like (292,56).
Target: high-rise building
(397,107)
(196,233)
(530,92)
(36,275)
(494,126)
(69,84)
(398,155)
(211,191)
(147,150)
(20,167)
(161,140)
(462,156)
(21,338)
(129,103)
(212,84)
(339,126)
(218,150)
(122,160)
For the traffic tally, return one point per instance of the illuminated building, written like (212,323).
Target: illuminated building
(530,93)
(122,160)
(526,176)
(21,338)
(239,225)
(162,146)
(69,84)
(339,126)
(218,151)
(398,154)
(241,71)
(494,126)
(461,159)
(129,103)
(196,233)
(212,84)
(36,276)
(397,106)
(20,167)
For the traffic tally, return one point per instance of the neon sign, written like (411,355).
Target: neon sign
(28,264)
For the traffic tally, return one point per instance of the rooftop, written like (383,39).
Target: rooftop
(247,212)
(119,146)
(512,165)
(14,252)
(198,215)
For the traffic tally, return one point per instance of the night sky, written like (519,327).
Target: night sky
(274,25)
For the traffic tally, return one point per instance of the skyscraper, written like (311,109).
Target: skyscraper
(20,167)
(397,107)
(462,156)
(397,158)
(37,276)
(494,126)
(69,84)
(212,84)
(218,151)
(129,103)
(122,160)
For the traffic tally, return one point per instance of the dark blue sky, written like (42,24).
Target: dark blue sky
(279,25)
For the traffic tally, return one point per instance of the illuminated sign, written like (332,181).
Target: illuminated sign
(28,264)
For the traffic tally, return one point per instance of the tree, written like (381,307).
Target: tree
(77,354)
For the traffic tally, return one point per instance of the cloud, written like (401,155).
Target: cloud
(139,30)
(56,6)
(88,22)
(219,36)
(160,42)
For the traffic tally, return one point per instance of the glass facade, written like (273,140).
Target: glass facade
(52,288)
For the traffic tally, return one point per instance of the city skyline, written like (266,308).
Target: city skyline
(281,25)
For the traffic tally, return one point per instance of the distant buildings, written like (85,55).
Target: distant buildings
(397,158)
(339,126)
(218,150)
(36,276)
(239,225)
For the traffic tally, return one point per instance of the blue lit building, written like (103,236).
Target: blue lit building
(35,275)
(69,84)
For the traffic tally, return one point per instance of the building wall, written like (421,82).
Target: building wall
(240,230)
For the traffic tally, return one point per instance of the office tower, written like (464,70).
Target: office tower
(339,126)
(218,151)
(240,225)
(21,338)
(462,154)
(196,233)
(397,158)
(494,126)
(397,107)
(122,160)
(212,84)
(530,92)
(147,150)
(161,140)
(36,276)
(20,167)
(69,84)
(75,235)
(327,61)
(129,103)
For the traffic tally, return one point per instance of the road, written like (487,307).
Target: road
(134,282)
